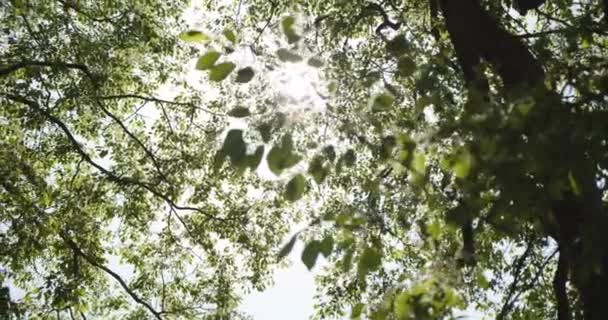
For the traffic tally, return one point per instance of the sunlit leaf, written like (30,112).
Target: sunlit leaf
(193,36)
(357,311)
(230,35)
(402,306)
(462,164)
(220,71)
(207,61)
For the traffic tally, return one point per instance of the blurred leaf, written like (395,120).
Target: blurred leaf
(281,157)
(326,246)
(349,158)
(310,254)
(193,36)
(230,35)
(288,56)
(234,147)
(369,261)
(239,112)
(398,45)
(244,75)
(402,306)
(330,152)
(295,188)
(462,164)
(221,71)
(317,170)
(406,66)
(207,61)
(287,247)
(382,102)
(357,311)
(253,161)
(315,62)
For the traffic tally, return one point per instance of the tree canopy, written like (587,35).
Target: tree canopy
(449,155)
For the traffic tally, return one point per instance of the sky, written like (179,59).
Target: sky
(290,298)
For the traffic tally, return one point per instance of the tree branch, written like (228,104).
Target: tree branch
(109,174)
(114,275)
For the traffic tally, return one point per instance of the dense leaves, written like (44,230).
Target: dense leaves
(444,156)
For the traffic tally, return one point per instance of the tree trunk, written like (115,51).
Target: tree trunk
(581,225)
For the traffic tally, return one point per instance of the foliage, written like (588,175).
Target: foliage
(426,191)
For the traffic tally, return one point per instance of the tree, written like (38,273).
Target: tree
(109,204)
(460,161)
(511,154)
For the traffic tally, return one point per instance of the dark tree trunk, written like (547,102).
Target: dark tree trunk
(581,225)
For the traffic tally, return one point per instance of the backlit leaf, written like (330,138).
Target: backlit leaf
(207,61)
(220,71)
(193,36)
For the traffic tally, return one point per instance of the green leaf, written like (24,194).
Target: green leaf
(288,56)
(221,71)
(193,36)
(310,254)
(288,29)
(239,112)
(253,161)
(207,61)
(462,164)
(287,247)
(326,246)
(295,188)
(330,152)
(482,282)
(576,189)
(230,35)
(398,45)
(244,75)
(287,23)
(317,170)
(281,157)
(315,62)
(406,66)
(382,102)
(402,306)
(419,162)
(234,147)
(369,261)
(349,158)
(265,130)
(357,311)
